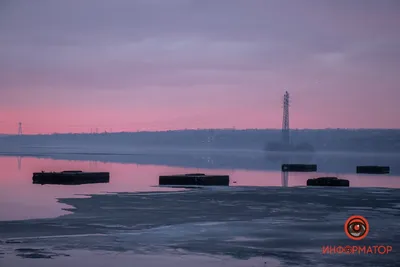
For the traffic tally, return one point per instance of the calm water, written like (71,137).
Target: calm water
(20,199)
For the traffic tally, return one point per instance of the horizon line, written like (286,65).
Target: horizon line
(205,129)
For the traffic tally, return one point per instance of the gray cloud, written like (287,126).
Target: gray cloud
(132,44)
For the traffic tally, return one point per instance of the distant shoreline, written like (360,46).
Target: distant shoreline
(185,151)
(328,162)
(363,140)
(212,129)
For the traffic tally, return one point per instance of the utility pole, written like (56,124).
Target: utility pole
(20,128)
(285,121)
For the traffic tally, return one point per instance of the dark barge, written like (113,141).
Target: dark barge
(70,177)
(194,179)
(299,167)
(373,169)
(328,181)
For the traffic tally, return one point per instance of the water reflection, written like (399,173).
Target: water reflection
(19,162)
(285,179)
(93,164)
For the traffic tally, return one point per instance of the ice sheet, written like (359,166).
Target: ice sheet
(286,224)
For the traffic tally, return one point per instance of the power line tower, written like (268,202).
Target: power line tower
(285,121)
(20,128)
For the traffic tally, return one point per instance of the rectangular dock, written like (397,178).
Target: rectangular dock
(70,177)
(373,169)
(299,167)
(194,179)
(328,181)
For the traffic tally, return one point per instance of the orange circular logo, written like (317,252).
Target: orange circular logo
(356,227)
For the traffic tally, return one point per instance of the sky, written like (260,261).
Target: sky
(129,65)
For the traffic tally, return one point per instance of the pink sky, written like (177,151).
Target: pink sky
(72,66)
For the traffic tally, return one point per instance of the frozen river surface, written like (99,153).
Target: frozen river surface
(213,227)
